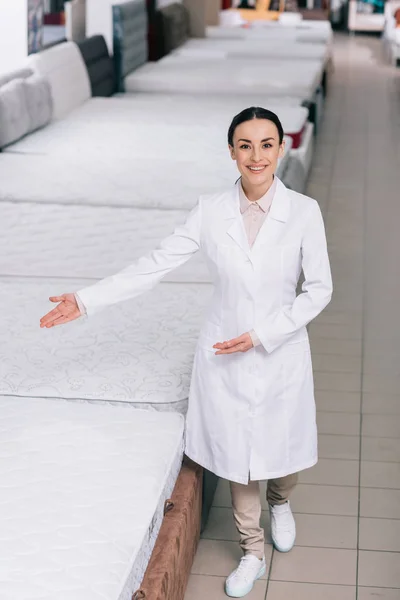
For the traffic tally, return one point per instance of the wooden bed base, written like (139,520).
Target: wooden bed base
(168,571)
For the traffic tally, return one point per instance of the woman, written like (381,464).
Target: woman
(251,412)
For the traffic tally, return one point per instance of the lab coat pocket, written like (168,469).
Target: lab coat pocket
(296,347)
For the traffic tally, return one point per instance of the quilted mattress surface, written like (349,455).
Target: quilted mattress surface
(272,77)
(139,352)
(114,180)
(82,490)
(150,169)
(87,242)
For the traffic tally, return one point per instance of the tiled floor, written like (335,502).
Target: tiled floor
(348,506)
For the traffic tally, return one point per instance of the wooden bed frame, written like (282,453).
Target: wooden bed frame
(168,571)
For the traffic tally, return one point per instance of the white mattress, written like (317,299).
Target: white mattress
(139,352)
(142,165)
(119,180)
(149,125)
(317,32)
(82,491)
(269,77)
(226,49)
(38,240)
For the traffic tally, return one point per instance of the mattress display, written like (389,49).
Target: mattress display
(138,353)
(86,242)
(269,77)
(135,123)
(317,33)
(215,49)
(97,162)
(82,496)
(113,180)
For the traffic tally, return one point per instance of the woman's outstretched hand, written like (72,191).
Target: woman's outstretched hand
(239,344)
(66,311)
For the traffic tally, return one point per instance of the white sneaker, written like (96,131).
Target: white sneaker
(283,527)
(240,582)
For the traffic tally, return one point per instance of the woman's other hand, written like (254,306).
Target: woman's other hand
(66,311)
(243,343)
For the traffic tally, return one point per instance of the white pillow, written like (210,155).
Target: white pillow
(14,117)
(38,100)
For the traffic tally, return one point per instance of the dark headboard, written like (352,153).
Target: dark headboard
(99,64)
(130,38)
(175,25)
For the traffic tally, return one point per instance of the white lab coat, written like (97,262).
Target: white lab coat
(250,414)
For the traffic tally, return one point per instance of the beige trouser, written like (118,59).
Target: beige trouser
(246,505)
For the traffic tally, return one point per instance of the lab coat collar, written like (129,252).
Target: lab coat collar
(280,207)
(279,211)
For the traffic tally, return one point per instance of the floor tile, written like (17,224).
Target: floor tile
(215,557)
(372,593)
(380,475)
(339,382)
(339,446)
(381,449)
(333,317)
(315,565)
(380,503)
(348,402)
(380,534)
(326,531)
(349,331)
(379,569)
(374,383)
(201,587)
(332,472)
(325,499)
(338,423)
(330,346)
(381,404)
(279,590)
(381,425)
(336,363)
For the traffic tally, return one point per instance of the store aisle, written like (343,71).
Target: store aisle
(348,506)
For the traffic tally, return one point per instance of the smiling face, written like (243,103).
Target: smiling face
(256,150)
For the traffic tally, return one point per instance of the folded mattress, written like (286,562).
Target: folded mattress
(83,490)
(39,240)
(271,77)
(137,354)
